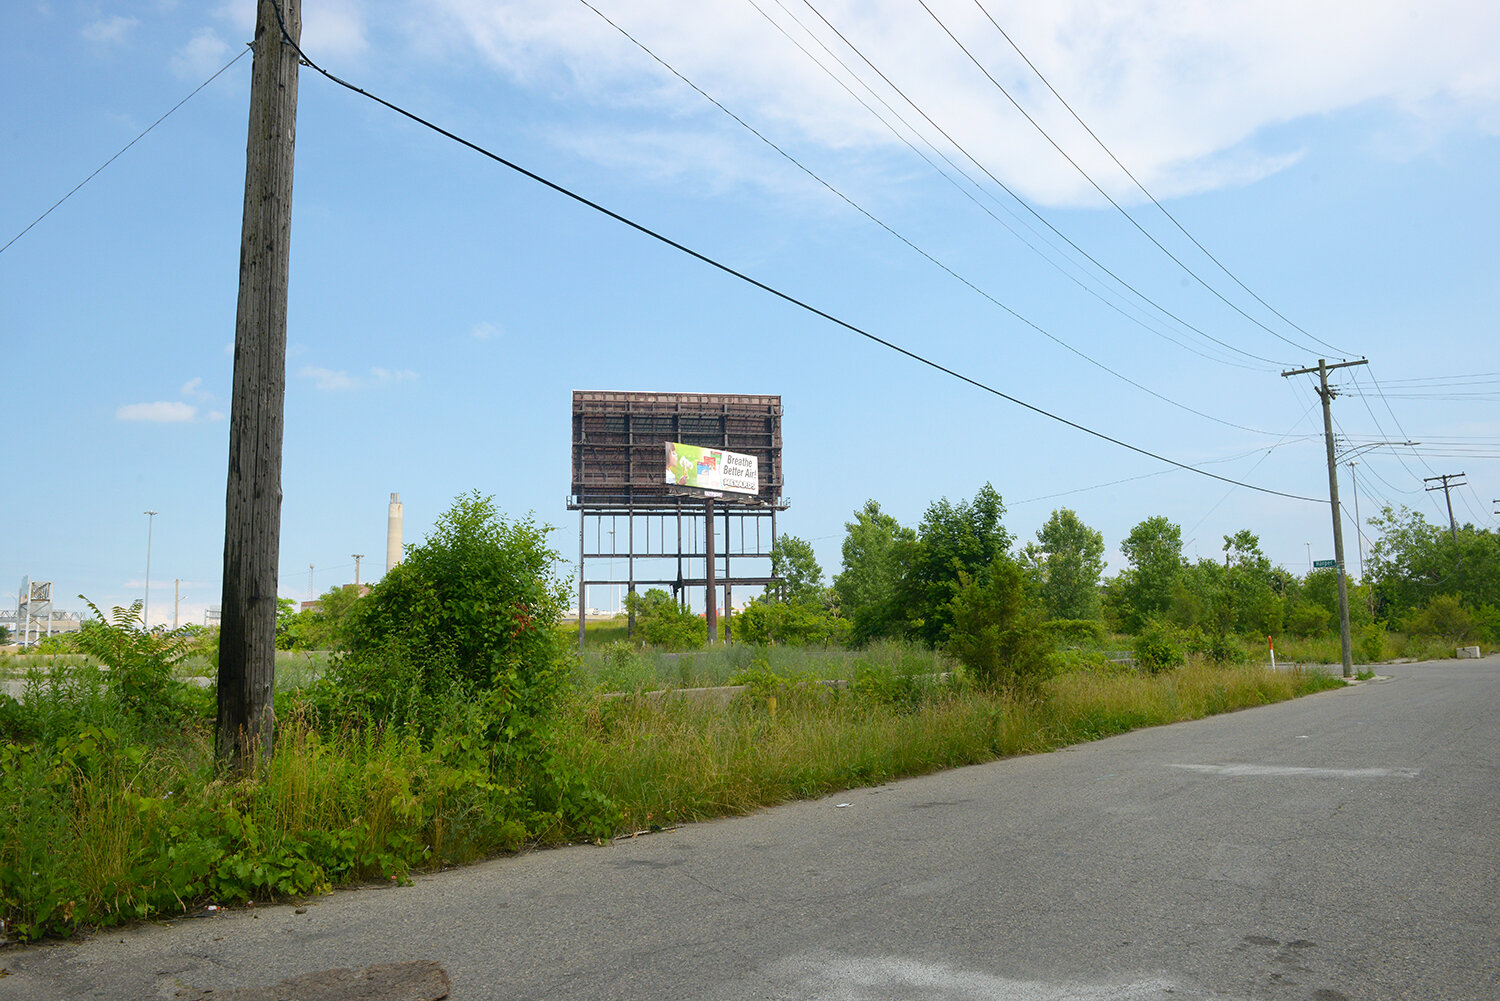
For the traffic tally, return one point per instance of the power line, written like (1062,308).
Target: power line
(868,215)
(1099,294)
(132,142)
(1026,205)
(747,279)
(1137,183)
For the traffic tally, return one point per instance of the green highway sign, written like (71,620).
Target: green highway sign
(1322,564)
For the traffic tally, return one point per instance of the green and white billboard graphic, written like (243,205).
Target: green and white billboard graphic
(711,469)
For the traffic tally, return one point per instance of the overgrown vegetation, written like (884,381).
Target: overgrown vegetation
(454,719)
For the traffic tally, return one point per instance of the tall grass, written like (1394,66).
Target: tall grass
(669,760)
(107,826)
(620,667)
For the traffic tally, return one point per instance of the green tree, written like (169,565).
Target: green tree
(953,539)
(793,560)
(875,553)
(1068,559)
(997,631)
(1144,590)
(1414,561)
(325,625)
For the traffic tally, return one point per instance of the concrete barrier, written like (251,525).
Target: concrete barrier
(1468,653)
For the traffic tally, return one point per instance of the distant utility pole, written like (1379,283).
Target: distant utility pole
(1359,534)
(1445,486)
(1327,394)
(176,600)
(252,508)
(357,558)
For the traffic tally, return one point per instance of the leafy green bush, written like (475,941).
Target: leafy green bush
(661,622)
(997,631)
(1308,620)
(1157,648)
(1374,646)
(1444,617)
(467,614)
(140,661)
(1074,631)
(767,621)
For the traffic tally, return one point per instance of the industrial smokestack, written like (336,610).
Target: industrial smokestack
(393,534)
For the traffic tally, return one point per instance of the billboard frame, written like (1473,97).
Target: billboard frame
(618,443)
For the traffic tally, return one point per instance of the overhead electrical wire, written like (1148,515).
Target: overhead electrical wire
(1075,279)
(132,142)
(1027,205)
(747,279)
(1221,266)
(868,215)
(1106,195)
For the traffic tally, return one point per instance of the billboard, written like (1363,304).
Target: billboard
(618,441)
(711,469)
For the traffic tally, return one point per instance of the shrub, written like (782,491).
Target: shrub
(1157,648)
(467,614)
(1308,620)
(1444,617)
(1074,631)
(767,621)
(140,660)
(1373,644)
(997,631)
(661,622)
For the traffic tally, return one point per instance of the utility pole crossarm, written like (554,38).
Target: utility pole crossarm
(1327,394)
(1323,366)
(1446,486)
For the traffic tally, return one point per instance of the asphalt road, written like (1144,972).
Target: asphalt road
(1342,846)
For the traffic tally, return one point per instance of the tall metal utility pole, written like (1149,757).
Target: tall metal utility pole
(252,507)
(357,558)
(1446,486)
(1327,395)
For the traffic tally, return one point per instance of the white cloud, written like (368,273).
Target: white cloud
(337,380)
(382,375)
(109,30)
(193,390)
(331,29)
(486,331)
(164,412)
(203,54)
(1183,91)
(328,379)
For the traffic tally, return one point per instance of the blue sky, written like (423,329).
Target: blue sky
(1339,160)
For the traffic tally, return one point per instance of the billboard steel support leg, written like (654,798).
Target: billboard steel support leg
(710,587)
(580,580)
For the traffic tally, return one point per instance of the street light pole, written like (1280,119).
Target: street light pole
(146,603)
(1359,534)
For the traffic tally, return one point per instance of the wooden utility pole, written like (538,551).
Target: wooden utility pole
(1446,486)
(252,509)
(1327,395)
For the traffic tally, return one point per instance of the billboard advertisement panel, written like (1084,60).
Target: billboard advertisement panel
(711,469)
